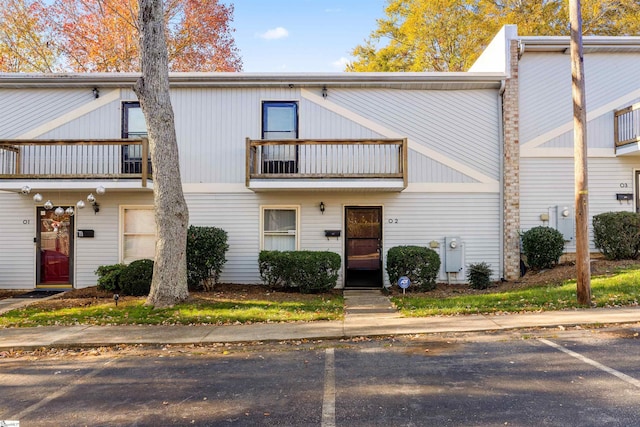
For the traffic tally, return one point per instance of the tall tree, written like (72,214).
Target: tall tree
(169,284)
(102,35)
(23,38)
(448,35)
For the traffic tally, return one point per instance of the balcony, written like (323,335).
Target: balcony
(626,127)
(352,164)
(48,160)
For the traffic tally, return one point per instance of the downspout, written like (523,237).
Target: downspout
(501,154)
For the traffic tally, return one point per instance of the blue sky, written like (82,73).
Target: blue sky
(301,35)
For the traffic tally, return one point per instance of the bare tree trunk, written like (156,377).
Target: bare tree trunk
(583,265)
(169,284)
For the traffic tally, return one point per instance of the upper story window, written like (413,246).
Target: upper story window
(279,120)
(133,124)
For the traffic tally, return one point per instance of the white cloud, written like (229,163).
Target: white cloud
(275,33)
(340,63)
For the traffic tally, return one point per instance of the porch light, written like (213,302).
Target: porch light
(324,92)
(48,205)
(37,197)
(322,208)
(96,92)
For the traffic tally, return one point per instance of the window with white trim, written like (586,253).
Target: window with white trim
(280,228)
(138,233)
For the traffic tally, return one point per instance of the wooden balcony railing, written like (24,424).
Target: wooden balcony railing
(626,125)
(322,159)
(75,159)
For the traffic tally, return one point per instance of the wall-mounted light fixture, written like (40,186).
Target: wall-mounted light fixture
(324,92)
(322,208)
(94,203)
(96,92)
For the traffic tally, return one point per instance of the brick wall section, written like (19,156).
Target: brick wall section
(511,181)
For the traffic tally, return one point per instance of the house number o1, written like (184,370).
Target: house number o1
(26,221)
(393,220)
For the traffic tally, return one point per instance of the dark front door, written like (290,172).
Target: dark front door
(54,249)
(363,246)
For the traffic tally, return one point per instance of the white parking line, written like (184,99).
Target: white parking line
(624,377)
(60,392)
(329,398)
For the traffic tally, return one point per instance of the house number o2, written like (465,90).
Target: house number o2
(393,220)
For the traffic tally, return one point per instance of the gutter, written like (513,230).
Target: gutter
(436,80)
(501,156)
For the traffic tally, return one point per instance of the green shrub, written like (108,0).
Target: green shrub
(135,279)
(307,271)
(272,266)
(479,275)
(206,250)
(617,234)
(109,277)
(542,246)
(419,264)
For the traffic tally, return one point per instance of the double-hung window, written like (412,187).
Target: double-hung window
(133,126)
(280,228)
(280,121)
(138,235)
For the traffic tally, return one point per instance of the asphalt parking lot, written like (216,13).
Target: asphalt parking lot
(572,377)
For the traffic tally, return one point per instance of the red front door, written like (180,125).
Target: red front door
(54,246)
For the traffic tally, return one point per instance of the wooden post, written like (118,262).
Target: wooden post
(145,161)
(583,267)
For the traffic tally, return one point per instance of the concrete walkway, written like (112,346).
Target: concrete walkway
(368,313)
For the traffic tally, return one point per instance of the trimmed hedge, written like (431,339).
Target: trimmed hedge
(419,264)
(542,246)
(109,277)
(617,234)
(479,275)
(307,271)
(206,250)
(135,279)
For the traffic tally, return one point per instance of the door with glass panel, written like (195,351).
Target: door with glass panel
(54,249)
(363,242)
(133,126)
(279,121)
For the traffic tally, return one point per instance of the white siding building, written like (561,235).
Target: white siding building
(281,160)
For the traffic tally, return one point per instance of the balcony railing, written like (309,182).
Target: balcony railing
(75,159)
(327,159)
(626,125)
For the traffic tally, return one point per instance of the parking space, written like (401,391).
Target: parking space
(471,379)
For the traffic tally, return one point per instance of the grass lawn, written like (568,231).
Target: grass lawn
(619,289)
(235,304)
(216,309)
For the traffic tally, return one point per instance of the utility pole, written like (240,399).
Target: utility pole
(583,266)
